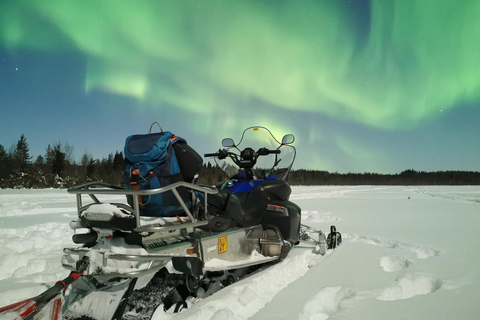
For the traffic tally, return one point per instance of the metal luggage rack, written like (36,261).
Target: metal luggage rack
(93,188)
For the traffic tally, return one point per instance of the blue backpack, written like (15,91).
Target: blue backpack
(151,163)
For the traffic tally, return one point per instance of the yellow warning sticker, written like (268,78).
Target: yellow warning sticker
(222,244)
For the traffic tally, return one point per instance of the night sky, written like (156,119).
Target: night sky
(365,86)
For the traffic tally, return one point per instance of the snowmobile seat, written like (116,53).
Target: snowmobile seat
(220,199)
(225,210)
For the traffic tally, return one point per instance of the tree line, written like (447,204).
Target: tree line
(212,175)
(56,169)
(405,178)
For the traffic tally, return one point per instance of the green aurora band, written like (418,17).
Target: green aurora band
(411,60)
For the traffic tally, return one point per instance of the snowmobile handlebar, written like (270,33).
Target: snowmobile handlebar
(216,154)
(246,159)
(265,151)
(222,154)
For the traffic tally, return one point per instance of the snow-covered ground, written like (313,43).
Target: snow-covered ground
(408,253)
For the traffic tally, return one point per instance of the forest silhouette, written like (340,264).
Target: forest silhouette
(57,169)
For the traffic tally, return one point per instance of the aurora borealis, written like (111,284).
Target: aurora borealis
(364,85)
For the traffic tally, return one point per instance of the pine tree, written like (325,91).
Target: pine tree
(39,162)
(3,155)
(90,169)
(84,162)
(118,161)
(21,156)
(49,156)
(68,150)
(58,164)
(4,164)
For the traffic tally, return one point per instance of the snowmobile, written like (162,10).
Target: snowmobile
(133,264)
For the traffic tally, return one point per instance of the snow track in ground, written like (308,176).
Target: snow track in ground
(315,216)
(394,263)
(447,194)
(422,251)
(30,257)
(243,299)
(31,245)
(325,303)
(409,286)
(34,202)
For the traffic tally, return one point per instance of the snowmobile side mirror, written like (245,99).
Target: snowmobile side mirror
(228,143)
(288,139)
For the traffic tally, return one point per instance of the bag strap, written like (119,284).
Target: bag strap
(174,138)
(150,131)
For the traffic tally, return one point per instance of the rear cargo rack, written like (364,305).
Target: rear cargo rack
(93,188)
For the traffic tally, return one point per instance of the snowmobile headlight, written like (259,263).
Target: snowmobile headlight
(98,216)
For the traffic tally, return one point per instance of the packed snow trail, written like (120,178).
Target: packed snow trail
(246,297)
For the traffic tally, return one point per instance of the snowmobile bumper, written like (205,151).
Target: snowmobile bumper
(148,263)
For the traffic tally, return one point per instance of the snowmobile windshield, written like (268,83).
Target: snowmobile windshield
(277,161)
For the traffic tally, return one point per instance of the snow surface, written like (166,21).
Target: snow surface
(408,253)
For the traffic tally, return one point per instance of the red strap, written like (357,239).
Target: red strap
(19,306)
(64,286)
(180,219)
(57,309)
(76,275)
(29,310)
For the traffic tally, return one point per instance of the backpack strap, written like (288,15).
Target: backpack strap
(150,131)
(175,138)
